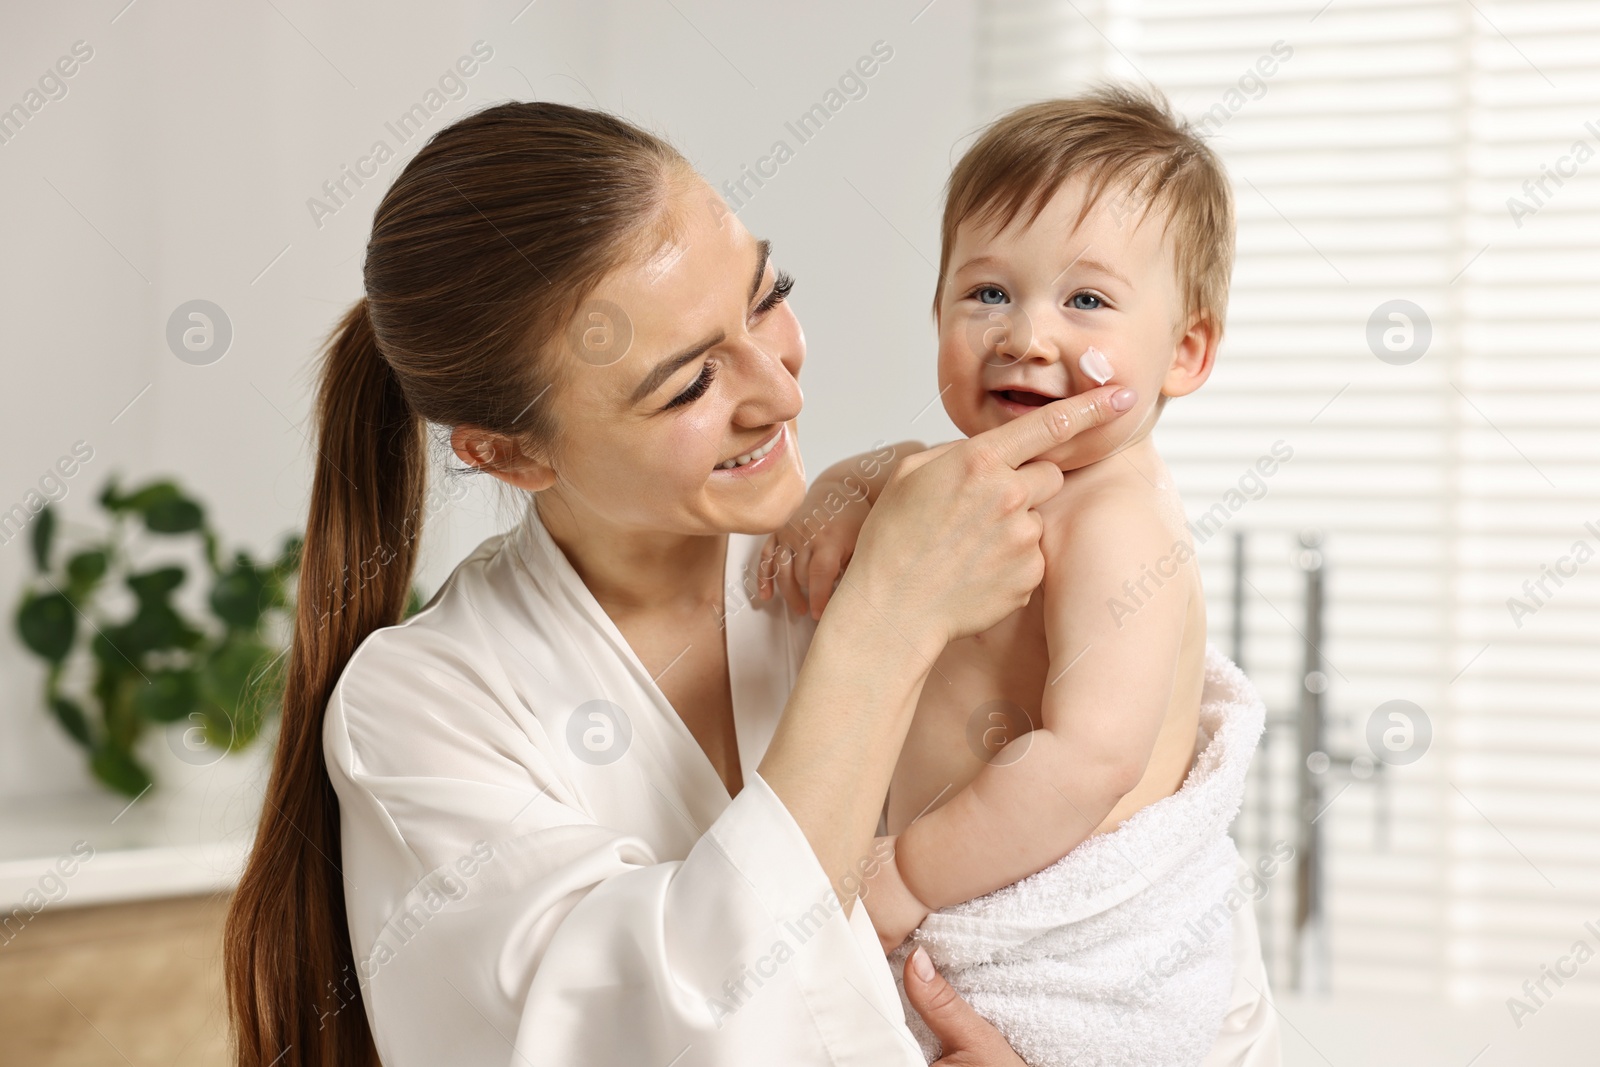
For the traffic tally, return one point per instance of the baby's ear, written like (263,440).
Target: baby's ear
(1193,356)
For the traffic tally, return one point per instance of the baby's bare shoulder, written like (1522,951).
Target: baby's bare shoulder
(1111,539)
(1109,520)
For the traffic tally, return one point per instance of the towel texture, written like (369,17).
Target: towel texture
(1119,953)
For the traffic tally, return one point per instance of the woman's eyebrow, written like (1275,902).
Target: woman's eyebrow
(669,366)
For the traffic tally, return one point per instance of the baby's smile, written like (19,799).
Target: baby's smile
(1019,397)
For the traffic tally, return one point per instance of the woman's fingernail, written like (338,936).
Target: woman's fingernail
(1123,399)
(1093,363)
(922,964)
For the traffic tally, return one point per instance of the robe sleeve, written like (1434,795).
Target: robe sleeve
(494,920)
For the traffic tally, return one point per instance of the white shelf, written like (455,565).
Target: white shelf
(188,835)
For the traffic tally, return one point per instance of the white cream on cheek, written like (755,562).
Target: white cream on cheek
(1095,365)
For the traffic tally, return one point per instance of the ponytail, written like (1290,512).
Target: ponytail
(292,986)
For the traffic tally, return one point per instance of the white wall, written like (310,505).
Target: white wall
(179,163)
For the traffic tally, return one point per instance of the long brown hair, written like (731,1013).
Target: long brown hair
(481,252)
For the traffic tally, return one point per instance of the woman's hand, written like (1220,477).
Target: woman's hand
(966,1039)
(894,910)
(952,545)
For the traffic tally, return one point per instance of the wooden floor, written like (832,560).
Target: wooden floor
(122,984)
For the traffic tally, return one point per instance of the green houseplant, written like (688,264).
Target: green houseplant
(121,655)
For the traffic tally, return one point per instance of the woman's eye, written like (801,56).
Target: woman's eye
(1084,301)
(781,288)
(697,388)
(990,295)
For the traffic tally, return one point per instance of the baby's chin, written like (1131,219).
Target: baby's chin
(1090,446)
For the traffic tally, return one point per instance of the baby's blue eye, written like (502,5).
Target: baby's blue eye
(987,292)
(1084,301)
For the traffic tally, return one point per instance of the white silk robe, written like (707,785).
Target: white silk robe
(542,867)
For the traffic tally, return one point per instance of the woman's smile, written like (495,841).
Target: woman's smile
(762,458)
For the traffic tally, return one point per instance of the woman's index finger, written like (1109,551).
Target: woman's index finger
(1028,436)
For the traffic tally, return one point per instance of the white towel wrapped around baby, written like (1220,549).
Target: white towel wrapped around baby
(1119,953)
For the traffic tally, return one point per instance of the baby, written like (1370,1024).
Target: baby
(1084,241)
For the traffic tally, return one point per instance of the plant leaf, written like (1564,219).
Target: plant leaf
(154,627)
(44,531)
(220,731)
(241,594)
(109,651)
(85,569)
(142,498)
(117,768)
(48,624)
(73,720)
(169,696)
(176,516)
(231,671)
(154,585)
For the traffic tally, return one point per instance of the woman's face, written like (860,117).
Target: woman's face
(677,408)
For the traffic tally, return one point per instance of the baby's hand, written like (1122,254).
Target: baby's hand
(894,910)
(805,558)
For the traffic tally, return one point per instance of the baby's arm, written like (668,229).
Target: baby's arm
(1106,695)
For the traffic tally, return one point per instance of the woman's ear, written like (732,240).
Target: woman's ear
(1193,356)
(498,456)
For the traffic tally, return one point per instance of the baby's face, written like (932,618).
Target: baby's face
(1021,306)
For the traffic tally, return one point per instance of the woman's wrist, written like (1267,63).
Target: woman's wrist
(864,615)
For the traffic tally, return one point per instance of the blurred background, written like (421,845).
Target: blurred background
(1393,475)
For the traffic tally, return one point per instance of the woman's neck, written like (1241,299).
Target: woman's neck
(630,570)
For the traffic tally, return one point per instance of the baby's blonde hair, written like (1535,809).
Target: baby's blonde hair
(1119,138)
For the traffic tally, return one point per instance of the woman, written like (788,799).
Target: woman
(557,816)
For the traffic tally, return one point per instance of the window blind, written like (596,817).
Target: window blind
(1414,315)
